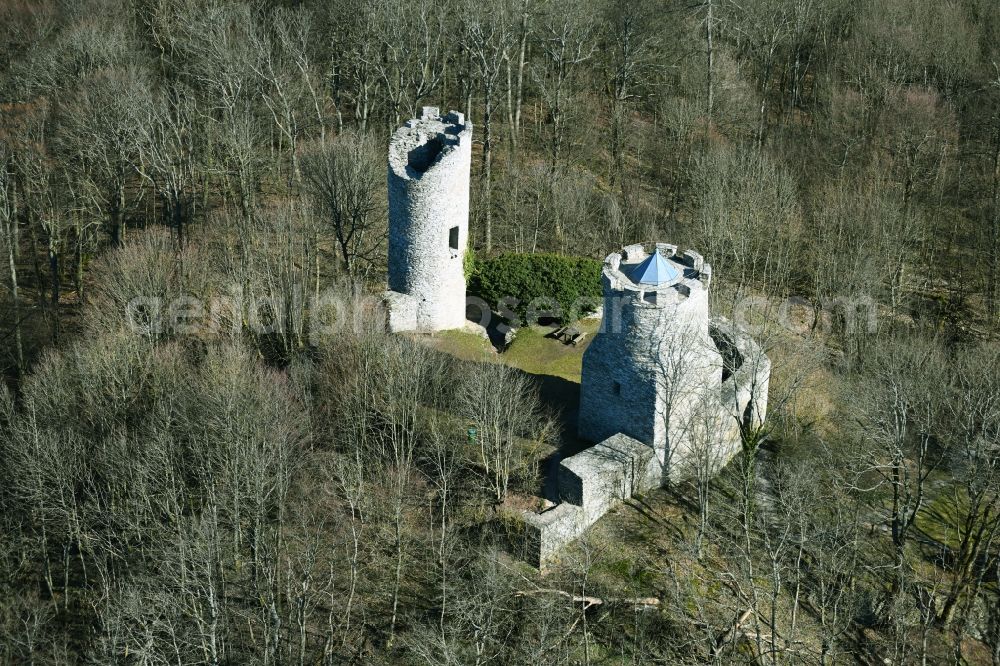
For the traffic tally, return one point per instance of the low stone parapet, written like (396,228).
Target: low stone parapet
(591,483)
(744,393)
(547,532)
(613,470)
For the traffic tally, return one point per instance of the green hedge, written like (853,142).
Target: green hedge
(572,283)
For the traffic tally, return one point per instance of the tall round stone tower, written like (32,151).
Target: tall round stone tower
(429,162)
(653,367)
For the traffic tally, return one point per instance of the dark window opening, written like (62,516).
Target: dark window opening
(616,388)
(453,238)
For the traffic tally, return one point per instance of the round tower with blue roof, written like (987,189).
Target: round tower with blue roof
(652,370)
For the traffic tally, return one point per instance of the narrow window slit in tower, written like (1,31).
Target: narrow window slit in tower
(453,238)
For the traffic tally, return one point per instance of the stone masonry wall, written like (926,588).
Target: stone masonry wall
(653,395)
(591,483)
(653,363)
(428,182)
(744,393)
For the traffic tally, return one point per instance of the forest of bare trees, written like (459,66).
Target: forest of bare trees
(211,452)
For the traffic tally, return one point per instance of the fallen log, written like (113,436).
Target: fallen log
(589,602)
(733,631)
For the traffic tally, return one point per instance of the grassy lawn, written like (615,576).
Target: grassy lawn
(531,350)
(941,518)
(555,366)
(536,354)
(462,344)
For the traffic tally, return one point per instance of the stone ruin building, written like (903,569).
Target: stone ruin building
(666,391)
(429,164)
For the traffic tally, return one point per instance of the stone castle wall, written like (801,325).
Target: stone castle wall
(665,391)
(591,483)
(660,379)
(653,363)
(428,180)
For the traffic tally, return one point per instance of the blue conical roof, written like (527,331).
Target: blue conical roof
(655,270)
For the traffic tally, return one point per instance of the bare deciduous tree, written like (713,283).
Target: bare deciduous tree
(501,403)
(344,177)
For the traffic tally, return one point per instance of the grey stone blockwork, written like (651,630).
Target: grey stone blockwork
(653,365)
(591,483)
(665,387)
(428,179)
(665,390)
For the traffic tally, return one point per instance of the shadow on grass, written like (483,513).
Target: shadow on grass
(561,398)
